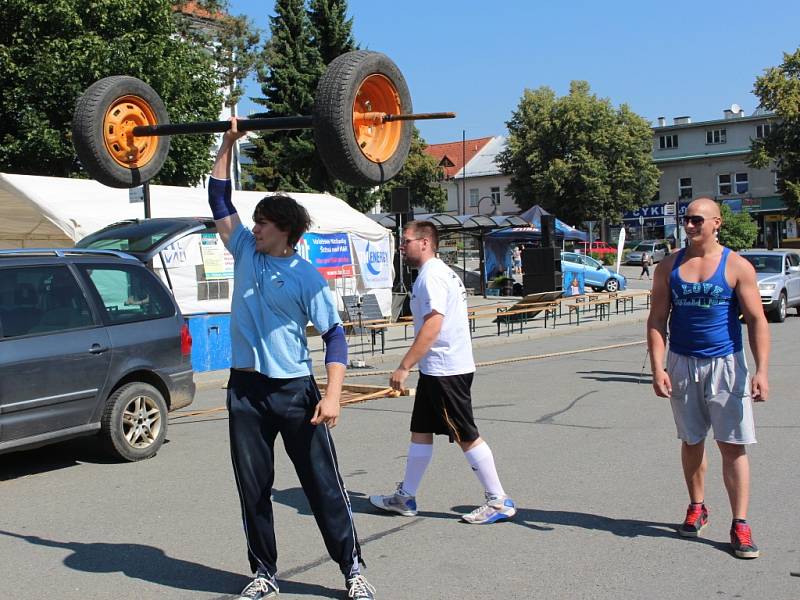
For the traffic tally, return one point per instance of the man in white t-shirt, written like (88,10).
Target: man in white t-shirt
(443,403)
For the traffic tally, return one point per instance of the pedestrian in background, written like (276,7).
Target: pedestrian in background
(647,260)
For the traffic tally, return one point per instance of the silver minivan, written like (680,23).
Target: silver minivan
(778,274)
(91,342)
(657,250)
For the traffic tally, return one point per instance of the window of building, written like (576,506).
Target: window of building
(474,194)
(685,187)
(764,130)
(778,181)
(716,136)
(668,141)
(742,183)
(495,196)
(724,184)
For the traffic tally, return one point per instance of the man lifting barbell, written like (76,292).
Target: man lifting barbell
(271,389)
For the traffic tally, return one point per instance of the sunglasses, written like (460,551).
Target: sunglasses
(695,220)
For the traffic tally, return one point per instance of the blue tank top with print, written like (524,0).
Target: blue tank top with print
(704,321)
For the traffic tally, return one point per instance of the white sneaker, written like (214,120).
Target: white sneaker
(260,588)
(399,502)
(497,508)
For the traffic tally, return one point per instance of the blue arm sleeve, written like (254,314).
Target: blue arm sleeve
(219,198)
(335,345)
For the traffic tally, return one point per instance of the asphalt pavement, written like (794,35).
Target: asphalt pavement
(581,443)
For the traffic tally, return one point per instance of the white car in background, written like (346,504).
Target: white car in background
(778,274)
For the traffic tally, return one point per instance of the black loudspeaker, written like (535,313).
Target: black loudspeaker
(401,200)
(548,223)
(536,284)
(541,261)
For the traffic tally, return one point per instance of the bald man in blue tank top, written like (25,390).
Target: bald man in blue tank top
(698,294)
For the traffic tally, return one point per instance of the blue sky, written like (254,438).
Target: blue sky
(476,58)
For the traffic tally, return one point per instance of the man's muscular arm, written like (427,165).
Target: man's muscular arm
(660,304)
(746,287)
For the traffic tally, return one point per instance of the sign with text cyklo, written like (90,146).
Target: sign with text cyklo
(375,261)
(328,252)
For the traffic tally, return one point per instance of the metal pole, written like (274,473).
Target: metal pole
(464,171)
(146,193)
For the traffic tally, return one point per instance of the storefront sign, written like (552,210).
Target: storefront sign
(328,252)
(751,203)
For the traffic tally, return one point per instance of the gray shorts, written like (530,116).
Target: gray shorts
(711,392)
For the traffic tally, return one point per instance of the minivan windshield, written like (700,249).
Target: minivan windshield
(765,263)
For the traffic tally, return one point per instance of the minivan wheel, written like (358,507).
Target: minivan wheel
(612,285)
(779,314)
(134,422)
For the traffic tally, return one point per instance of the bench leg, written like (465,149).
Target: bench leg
(383,341)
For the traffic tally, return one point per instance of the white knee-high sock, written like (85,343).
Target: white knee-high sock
(419,457)
(481,460)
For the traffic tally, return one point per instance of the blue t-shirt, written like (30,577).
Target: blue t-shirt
(704,321)
(273,300)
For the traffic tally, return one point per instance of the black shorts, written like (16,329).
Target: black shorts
(443,405)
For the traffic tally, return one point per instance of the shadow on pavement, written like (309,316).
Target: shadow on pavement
(138,561)
(61,455)
(644,378)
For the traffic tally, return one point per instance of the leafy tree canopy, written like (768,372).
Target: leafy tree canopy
(419,174)
(577,156)
(52,50)
(738,230)
(779,91)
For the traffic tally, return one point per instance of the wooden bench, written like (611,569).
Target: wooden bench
(524,312)
(602,308)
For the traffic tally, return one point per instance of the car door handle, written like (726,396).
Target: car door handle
(97,349)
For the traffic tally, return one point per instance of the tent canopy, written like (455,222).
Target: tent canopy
(534,216)
(53,211)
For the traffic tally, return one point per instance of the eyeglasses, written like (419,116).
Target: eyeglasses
(695,220)
(407,241)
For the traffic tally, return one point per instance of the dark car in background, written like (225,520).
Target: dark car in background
(91,341)
(778,274)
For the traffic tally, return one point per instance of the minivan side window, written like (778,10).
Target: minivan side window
(41,299)
(129,293)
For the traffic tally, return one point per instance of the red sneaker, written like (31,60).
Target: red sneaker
(696,520)
(742,541)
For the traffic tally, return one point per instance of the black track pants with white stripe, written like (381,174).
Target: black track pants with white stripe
(259,409)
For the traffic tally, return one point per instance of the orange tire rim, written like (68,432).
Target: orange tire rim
(376,97)
(124,114)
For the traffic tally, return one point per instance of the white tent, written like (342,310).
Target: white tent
(56,212)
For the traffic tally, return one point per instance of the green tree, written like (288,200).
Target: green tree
(778,90)
(419,173)
(738,230)
(577,156)
(52,50)
(285,160)
(332,30)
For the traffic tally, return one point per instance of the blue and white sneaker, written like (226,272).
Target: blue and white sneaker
(260,588)
(497,508)
(399,502)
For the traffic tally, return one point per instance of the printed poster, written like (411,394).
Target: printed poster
(375,261)
(217,261)
(328,252)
